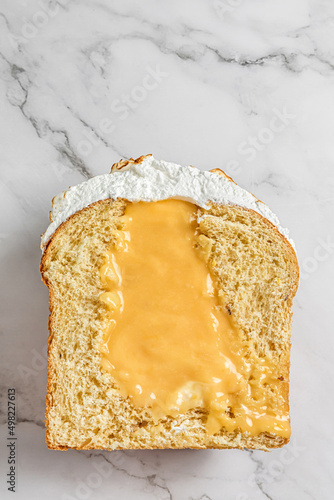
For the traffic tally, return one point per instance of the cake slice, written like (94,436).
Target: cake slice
(170,293)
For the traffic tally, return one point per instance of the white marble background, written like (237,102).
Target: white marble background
(243,85)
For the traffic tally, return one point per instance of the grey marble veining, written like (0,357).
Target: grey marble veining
(242,86)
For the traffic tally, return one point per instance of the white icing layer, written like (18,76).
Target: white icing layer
(153,180)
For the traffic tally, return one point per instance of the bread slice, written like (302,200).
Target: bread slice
(256,270)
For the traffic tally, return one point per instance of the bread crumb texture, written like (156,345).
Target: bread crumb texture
(256,272)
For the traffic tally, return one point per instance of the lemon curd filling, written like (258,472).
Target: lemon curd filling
(170,343)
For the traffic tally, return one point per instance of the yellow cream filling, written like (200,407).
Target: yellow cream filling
(170,343)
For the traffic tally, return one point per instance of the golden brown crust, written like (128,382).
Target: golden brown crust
(221,172)
(64,448)
(124,165)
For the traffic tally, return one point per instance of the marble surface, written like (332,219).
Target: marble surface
(243,86)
